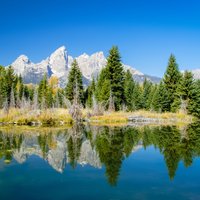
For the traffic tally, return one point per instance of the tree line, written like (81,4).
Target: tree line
(113,89)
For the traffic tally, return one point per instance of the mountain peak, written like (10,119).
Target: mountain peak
(58,64)
(61,51)
(62,48)
(22,58)
(84,55)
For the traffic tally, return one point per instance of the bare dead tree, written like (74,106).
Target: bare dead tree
(57,103)
(66,102)
(183,106)
(18,101)
(97,108)
(22,102)
(75,110)
(6,106)
(43,104)
(111,106)
(27,103)
(12,98)
(35,99)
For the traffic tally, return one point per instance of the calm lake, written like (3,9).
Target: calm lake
(93,162)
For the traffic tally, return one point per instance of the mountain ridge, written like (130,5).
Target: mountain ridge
(59,63)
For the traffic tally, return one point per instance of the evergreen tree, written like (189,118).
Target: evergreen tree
(149,102)
(155,105)
(116,76)
(102,92)
(10,82)
(129,87)
(171,80)
(194,101)
(3,86)
(89,93)
(161,100)
(147,85)
(75,77)
(19,90)
(42,92)
(137,96)
(183,92)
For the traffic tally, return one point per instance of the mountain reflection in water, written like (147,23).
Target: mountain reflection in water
(101,146)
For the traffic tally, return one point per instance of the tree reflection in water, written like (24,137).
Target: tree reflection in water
(101,146)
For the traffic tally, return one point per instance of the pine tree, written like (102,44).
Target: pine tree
(75,77)
(89,93)
(163,98)
(186,85)
(147,86)
(49,97)
(183,91)
(137,96)
(129,86)
(102,92)
(171,80)
(149,102)
(3,86)
(19,90)
(42,92)
(116,76)
(194,101)
(160,101)
(10,82)
(155,105)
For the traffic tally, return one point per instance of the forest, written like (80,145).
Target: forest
(114,89)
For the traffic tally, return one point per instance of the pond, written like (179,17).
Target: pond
(100,162)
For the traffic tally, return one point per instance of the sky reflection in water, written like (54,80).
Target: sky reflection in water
(86,162)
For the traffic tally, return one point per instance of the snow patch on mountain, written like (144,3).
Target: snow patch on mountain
(59,63)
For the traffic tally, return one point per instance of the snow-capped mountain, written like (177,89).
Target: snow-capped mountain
(58,64)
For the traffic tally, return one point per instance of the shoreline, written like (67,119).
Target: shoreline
(61,117)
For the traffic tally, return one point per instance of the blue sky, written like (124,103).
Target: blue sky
(146,31)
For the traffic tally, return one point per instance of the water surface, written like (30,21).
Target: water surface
(88,162)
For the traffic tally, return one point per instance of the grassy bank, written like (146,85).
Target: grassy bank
(52,117)
(123,117)
(36,117)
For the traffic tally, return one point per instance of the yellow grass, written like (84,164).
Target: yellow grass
(26,117)
(122,117)
(61,116)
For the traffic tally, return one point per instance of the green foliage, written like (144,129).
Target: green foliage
(194,101)
(171,80)
(116,76)
(146,98)
(183,92)
(74,77)
(90,93)
(42,92)
(129,90)
(103,87)
(137,96)
(111,80)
